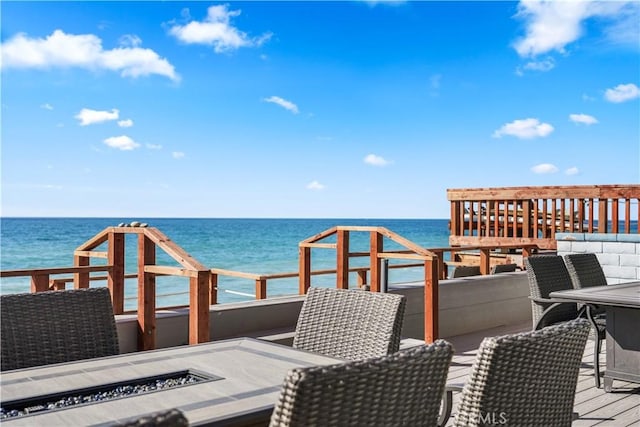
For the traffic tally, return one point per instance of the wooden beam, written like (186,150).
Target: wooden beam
(304,269)
(81,279)
(342,260)
(375,247)
(485,261)
(146,294)
(213,289)
(39,283)
(261,288)
(199,307)
(431,301)
(115,277)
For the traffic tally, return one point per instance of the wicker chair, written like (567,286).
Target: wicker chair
(170,418)
(585,271)
(402,389)
(465,271)
(546,274)
(56,326)
(504,268)
(526,379)
(350,324)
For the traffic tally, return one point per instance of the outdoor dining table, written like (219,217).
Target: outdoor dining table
(239,383)
(622,306)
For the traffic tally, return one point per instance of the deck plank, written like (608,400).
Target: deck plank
(621,407)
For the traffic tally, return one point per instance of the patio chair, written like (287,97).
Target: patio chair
(170,418)
(504,268)
(402,389)
(350,324)
(585,271)
(465,271)
(525,379)
(56,326)
(548,273)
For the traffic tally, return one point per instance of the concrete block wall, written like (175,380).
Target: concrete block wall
(619,254)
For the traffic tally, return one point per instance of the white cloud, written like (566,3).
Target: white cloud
(315,185)
(46,107)
(122,142)
(544,168)
(127,123)
(543,66)
(130,40)
(89,117)
(154,146)
(572,171)
(524,129)
(216,30)
(177,154)
(583,118)
(374,160)
(288,105)
(82,51)
(552,25)
(622,93)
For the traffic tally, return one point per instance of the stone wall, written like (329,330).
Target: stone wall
(619,254)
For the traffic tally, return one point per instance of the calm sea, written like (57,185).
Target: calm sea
(260,246)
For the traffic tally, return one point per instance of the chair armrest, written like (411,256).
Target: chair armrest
(447,402)
(550,300)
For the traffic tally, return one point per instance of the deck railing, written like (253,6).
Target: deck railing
(203,281)
(533,215)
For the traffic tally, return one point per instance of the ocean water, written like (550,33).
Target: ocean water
(259,246)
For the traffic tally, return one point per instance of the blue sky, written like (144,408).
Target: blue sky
(310,109)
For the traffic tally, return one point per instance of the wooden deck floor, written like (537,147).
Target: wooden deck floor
(619,408)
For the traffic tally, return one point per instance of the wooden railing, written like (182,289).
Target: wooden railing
(376,254)
(533,215)
(203,282)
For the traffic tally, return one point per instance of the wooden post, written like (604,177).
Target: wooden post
(213,289)
(146,294)
(81,280)
(375,247)
(115,276)
(304,267)
(431,304)
(261,288)
(199,307)
(485,261)
(342,262)
(362,278)
(39,282)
